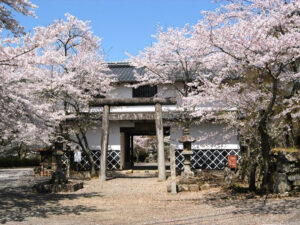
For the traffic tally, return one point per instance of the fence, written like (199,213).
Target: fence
(113,160)
(206,159)
(201,159)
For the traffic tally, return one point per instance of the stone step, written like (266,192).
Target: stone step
(135,173)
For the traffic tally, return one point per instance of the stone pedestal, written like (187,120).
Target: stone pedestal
(187,172)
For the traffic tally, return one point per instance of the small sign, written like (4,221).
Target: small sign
(77,156)
(232,161)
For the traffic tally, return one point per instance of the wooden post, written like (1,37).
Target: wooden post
(173,170)
(122,158)
(131,151)
(160,142)
(68,167)
(127,160)
(104,142)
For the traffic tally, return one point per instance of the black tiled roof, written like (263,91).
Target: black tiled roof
(124,72)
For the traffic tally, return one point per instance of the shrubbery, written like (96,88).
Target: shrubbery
(16,162)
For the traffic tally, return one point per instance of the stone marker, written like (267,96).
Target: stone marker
(173,170)
(160,143)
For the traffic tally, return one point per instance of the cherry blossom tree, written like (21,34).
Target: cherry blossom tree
(244,60)
(175,56)
(50,76)
(12,105)
(175,60)
(257,62)
(7,21)
(72,71)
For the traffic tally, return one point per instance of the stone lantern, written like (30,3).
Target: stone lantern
(58,152)
(58,176)
(187,152)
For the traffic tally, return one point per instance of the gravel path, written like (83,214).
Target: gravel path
(141,201)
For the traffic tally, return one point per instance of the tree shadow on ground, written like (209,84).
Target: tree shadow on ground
(16,204)
(255,206)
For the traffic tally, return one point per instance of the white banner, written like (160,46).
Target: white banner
(77,156)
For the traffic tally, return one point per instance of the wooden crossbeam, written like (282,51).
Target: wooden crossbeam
(131,101)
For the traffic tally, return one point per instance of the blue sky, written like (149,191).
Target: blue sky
(123,25)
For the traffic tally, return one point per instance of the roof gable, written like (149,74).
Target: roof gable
(124,72)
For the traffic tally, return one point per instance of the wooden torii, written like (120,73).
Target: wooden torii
(158,102)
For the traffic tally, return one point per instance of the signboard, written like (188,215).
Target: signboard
(77,156)
(232,161)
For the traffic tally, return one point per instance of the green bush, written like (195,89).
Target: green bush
(16,162)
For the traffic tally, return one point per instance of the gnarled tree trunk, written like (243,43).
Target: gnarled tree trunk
(265,138)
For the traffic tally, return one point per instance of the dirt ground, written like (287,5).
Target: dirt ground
(140,201)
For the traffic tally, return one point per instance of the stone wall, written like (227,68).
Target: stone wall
(286,171)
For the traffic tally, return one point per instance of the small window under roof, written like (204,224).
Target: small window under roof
(144,91)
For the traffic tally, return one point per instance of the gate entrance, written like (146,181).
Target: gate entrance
(130,136)
(157,116)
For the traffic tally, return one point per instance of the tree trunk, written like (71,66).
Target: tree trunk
(265,150)
(252,177)
(289,137)
(89,153)
(265,138)
(90,156)
(21,151)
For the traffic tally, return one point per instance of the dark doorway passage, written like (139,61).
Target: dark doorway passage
(139,146)
(144,149)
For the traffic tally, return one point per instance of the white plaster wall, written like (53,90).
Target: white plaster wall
(168,90)
(121,91)
(94,135)
(208,136)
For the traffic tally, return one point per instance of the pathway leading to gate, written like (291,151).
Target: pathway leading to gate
(141,201)
(15,177)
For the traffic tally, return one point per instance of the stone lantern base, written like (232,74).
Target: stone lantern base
(187,178)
